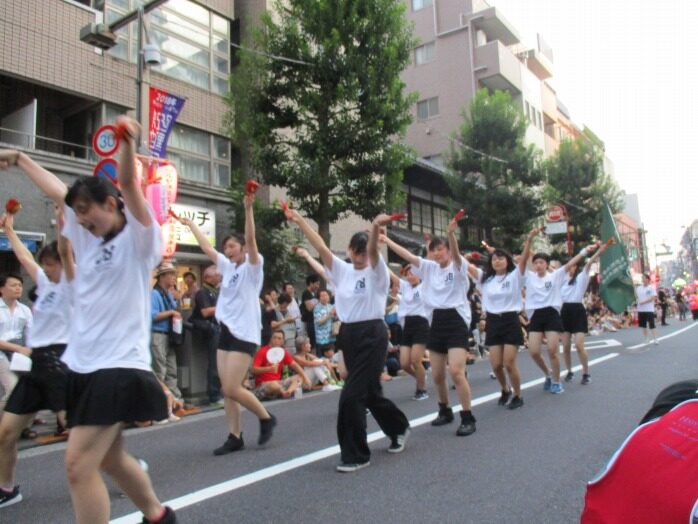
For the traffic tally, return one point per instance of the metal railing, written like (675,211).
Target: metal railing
(14,138)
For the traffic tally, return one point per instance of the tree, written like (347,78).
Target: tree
(320,105)
(493,173)
(576,179)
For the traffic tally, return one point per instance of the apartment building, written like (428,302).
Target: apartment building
(56,91)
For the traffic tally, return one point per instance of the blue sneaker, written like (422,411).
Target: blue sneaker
(547,383)
(556,388)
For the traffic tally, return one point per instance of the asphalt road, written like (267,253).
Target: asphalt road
(527,465)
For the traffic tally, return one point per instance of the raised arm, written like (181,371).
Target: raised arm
(204,244)
(314,264)
(579,256)
(65,248)
(526,253)
(43,179)
(250,236)
(131,192)
(598,253)
(453,244)
(21,252)
(313,237)
(402,252)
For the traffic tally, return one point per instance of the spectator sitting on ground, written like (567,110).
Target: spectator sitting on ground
(269,383)
(319,370)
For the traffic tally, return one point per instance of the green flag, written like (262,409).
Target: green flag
(616,290)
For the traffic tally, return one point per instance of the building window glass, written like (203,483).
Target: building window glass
(425,53)
(428,108)
(194,42)
(200,156)
(421,4)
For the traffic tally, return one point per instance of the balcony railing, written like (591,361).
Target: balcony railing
(13,138)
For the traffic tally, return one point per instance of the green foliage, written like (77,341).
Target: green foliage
(274,237)
(501,190)
(576,178)
(326,129)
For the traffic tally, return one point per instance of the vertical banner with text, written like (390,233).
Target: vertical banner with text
(616,289)
(164,108)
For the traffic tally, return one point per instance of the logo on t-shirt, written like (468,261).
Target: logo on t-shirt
(360,286)
(548,285)
(105,260)
(449,278)
(48,300)
(234,280)
(506,285)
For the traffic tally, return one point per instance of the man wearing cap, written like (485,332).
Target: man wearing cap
(163,313)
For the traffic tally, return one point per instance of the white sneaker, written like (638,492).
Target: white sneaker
(161,422)
(173,418)
(656,342)
(330,387)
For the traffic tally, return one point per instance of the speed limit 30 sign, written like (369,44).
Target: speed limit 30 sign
(105,142)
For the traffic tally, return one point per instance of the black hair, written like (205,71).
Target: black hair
(239,238)
(577,271)
(49,251)
(359,243)
(647,276)
(312,279)
(437,242)
(287,283)
(280,331)
(189,274)
(284,298)
(93,189)
(489,270)
(5,276)
(543,256)
(33,295)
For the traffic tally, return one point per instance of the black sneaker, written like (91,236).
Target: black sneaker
(351,467)
(569,376)
(467,424)
(266,428)
(167,518)
(397,443)
(504,398)
(232,444)
(7,498)
(420,394)
(586,379)
(516,402)
(444,417)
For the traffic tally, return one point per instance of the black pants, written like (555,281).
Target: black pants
(364,345)
(663,307)
(209,340)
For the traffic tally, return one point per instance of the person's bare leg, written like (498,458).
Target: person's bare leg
(535,340)
(11,426)
(567,350)
(553,338)
(581,352)
(456,368)
(497,364)
(509,357)
(420,374)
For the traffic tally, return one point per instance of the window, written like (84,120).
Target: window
(199,156)
(425,53)
(528,110)
(421,4)
(428,108)
(194,42)
(427,211)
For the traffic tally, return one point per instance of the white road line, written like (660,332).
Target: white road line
(277,469)
(637,346)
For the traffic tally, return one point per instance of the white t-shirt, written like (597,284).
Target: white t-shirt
(411,304)
(501,294)
(238,300)
(444,287)
(110,326)
(360,294)
(544,291)
(14,325)
(643,293)
(52,312)
(574,294)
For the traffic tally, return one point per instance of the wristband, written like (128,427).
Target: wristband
(584,252)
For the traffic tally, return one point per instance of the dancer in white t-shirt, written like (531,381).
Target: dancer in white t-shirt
(646,306)
(237,310)
(44,386)
(361,290)
(574,315)
(543,303)
(501,283)
(445,282)
(116,240)
(415,327)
